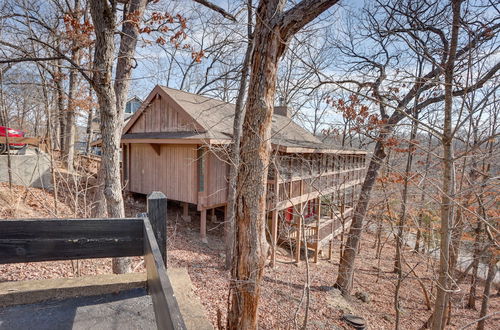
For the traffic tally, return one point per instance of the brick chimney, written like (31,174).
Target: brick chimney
(282,109)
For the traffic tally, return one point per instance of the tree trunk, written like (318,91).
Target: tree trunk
(90,132)
(100,208)
(442,296)
(60,129)
(104,18)
(346,266)
(126,53)
(70,126)
(251,248)
(471,301)
(404,201)
(273,29)
(235,148)
(422,197)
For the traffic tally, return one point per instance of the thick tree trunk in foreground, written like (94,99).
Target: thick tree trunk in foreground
(404,201)
(104,18)
(251,245)
(273,29)
(132,16)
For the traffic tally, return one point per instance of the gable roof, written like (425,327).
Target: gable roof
(214,120)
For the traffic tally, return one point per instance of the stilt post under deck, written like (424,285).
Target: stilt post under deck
(203,226)
(318,218)
(185,212)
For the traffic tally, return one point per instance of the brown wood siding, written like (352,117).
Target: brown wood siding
(173,172)
(161,116)
(217,179)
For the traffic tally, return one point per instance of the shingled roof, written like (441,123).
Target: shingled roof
(216,118)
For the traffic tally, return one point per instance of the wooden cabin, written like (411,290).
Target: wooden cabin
(177,143)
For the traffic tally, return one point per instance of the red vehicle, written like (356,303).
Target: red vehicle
(12,133)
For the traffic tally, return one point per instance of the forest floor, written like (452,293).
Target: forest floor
(283,286)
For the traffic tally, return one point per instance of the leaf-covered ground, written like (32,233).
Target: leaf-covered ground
(283,300)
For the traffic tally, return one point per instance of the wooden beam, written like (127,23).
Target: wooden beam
(203,225)
(317,151)
(185,212)
(156,148)
(157,215)
(304,198)
(167,312)
(129,168)
(167,141)
(213,206)
(66,239)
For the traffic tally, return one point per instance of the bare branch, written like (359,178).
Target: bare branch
(32,59)
(216,8)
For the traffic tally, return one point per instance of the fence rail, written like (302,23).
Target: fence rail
(33,240)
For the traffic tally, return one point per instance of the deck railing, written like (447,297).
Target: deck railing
(33,240)
(300,189)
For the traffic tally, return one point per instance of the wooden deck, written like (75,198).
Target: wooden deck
(131,309)
(66,239)
(319,229)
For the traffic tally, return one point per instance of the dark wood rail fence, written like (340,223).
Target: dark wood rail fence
(33,240)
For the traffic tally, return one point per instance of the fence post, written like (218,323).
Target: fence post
(157,214)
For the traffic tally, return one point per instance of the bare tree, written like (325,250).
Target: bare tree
(426,86)
(274,27)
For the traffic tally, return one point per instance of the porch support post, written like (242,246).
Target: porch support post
(157,214)
(203,226)
(318,218)
(213,217)
(274,220)
(299,233)
(185,212)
